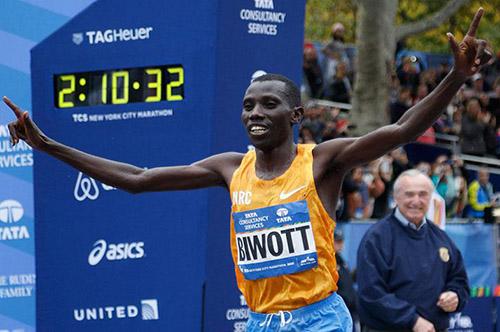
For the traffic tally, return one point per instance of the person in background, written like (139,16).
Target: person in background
(346,279)
(480,195)
(410,274)
(312,81)
(340,89)
(472,130)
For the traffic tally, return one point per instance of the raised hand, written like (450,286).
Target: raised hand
(24,128)
(471,53)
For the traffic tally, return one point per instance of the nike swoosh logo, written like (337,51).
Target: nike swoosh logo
(284,195)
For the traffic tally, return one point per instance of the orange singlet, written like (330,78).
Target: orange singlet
(281,237)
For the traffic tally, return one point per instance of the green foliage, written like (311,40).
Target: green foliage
(321,14)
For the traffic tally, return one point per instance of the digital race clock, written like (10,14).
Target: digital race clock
(119,86)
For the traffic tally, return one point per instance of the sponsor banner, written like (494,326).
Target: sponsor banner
(276,26)
(17,262)
(147,310)
(115,251)
(477,316)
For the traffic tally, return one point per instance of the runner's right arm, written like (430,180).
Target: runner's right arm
(212,171)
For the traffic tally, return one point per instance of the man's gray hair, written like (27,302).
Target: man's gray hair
(411,173)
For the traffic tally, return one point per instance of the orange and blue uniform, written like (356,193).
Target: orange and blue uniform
(281,237)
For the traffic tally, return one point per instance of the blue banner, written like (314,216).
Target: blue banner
(476,242)
(24,23)
(155,84)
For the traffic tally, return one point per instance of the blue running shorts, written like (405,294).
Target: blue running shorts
(327,315)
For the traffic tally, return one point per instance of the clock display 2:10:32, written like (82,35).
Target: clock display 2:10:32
(119,86)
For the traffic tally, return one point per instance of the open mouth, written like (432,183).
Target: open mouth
(257,130)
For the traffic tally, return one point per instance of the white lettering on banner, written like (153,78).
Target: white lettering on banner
(21,291)
(239,313)
(17,285)
(14,233)
(459,321)
(265,4)
(4,131)
(114,252)
(19,155)
(129,115)
(149,311)
(262,16)
(6,146)
(263,22)
(16,160)
(113,35)
(271,244)
(240,326)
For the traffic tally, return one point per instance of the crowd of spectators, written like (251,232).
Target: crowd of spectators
(473,117)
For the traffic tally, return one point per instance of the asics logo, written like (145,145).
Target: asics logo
(285,195)
(115,251)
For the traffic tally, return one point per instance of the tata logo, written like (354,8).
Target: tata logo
(148,311)
(87,188)
(11,211)
(115,251)
(78,38)
(281,212)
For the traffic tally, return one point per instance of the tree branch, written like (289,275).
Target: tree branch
(430,22)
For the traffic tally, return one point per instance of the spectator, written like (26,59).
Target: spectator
(382,204)
(334,53)
(443,180)
(480,195)
(363,209)
(408,75)
(313,76)
(399,291)
(351,198)
(478,85)
(306,136)
(346,281)
(312,121)
(340,88)
(401,105)
(472,130)
(443,70)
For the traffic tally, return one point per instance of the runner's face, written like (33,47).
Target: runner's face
(266,114)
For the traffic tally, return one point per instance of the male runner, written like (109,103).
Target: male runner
(282,192)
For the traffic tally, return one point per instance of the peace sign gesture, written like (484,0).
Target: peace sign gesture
(471,53)
(24,128)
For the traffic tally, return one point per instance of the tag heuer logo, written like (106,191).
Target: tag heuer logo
(78,38)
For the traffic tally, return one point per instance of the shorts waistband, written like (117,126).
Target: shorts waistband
(302,310)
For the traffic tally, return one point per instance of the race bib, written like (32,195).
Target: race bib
(275,240)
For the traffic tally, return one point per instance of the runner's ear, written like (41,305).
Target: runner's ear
(297,115)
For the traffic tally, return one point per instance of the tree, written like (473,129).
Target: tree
(378,25)
(376,37)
